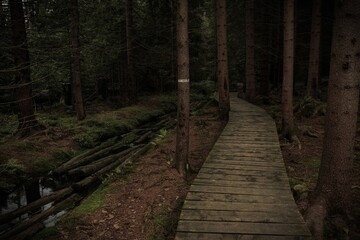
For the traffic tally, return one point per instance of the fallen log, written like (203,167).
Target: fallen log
(31,231)
(67,203)
(55,196)
(144,137)
(99,175)
(84,171)
(77,160)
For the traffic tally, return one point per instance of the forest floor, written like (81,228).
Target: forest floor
(145,201)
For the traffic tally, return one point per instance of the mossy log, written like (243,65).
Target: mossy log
(67,203)
(84,171)
(29,232)
(99,175)
(56,196)
(79,160)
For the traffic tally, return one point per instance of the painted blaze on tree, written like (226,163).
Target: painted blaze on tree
(182,137)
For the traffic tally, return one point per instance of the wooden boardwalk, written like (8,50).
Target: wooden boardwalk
(242,190)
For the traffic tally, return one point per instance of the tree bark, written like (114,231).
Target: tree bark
(2,16)
(250,52)
(131,85)
(222,61)
(182,136)
(23,92)
(288,71)
(333,189)
(314,60)
(75,59)
(266,56)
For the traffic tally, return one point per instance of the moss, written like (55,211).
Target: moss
(92,203)
(11,174)
(47,233)
(43,165)
(313,163)
(163,223)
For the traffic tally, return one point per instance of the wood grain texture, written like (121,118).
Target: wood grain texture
(242,190)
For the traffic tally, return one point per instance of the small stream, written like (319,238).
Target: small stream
(29,192)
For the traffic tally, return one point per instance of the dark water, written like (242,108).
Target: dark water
(31,191)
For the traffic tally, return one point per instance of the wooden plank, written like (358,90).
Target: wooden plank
(274,175)
(241,198)
(225,236)
(213,156)
(244,167)
(238,216)
(243,228)
(231,161)
(251,153)
(245,178)
(238,184)
(248,143)
(284,208)
(238,190)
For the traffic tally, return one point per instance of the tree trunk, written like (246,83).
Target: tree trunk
(314,65)
(250,52)
(131,86)
(288,71)
(222,61)
(333,189)
(266,56)
(2,16)
(75,59)
(23,92)
(182,136)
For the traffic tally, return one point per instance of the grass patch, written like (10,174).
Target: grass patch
(92,203)
(300,189)
(43,165)
(11,174)
(123,171)
(163,223)
(102,126)
(313,163)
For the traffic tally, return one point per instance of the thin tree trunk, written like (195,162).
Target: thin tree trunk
(75,59)
(250,51)
(23,92)
(288,71)
(267,52)
(132,88)
(222,61)
(314,65)
(182,137)
(2,16)
(333,189)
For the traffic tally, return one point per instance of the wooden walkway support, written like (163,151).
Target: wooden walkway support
(242,191)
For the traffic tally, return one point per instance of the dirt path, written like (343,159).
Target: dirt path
(145,203)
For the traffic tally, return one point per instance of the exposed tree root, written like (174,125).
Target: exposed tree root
(315,217)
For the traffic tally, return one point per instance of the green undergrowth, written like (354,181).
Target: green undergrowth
(92,203)
(47,233)
(41,152)
(98,128)
(163,221)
